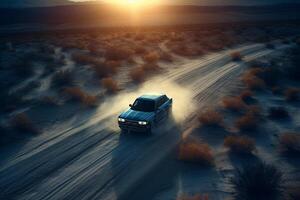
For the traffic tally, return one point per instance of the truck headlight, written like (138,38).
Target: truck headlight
(143,123)
(121,120)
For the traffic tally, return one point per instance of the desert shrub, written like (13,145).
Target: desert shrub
(278,113)
(118,53)
(292,94)
(251,79)
(76,94)
(290,143)
(167,57)
(137,74)
(83,59)
(140,50)
(195,197)
(260,182)
(247,122)
(254,110)
(90,101)
(210,118)
(246,96)
(236,56)
(110,85)
(233,103)
(22,123)
(62,78)
(151,57)
(106,69)
(239,144)
(196,152)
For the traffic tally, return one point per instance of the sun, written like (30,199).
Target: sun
(140,3)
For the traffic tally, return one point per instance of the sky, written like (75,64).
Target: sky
(221,2)
(21,3)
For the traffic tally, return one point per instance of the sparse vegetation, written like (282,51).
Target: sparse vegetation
(247,122)
(110,85)
(236,56)
(137,74)
(196,152)
(233,103)
(22,123)
(210,118)
(261,181)
(239,144)
(151,57)
(292,94)
(246,96)
(290,143)
(251,79)
(76,94)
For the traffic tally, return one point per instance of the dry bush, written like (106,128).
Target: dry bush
(137,74)
(83,59)
(106,69)
(260,182)
(236,56)
(233,103)
(292,94)
(210,118)
(151,57)
(251,79)
(140,50)
(239,144)
(90,101)
(290,143)
(278,113)
(79,95)
(110,85)
(246,95)
(62,78)
(118,53)
(167,57)
(247,122)
(195,197)
(254,110)
(23,123)
(193,151)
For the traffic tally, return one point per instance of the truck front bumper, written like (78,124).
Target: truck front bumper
(134,126)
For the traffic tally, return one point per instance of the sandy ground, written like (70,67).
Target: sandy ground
(90,159)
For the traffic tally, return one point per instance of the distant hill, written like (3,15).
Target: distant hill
(103,15)
(33,3)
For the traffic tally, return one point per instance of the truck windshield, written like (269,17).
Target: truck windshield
(143,105)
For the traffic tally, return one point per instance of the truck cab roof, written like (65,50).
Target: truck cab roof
(153,97)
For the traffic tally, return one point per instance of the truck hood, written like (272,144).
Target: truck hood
(137,115)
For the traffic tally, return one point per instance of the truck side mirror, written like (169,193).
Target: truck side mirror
(130,105)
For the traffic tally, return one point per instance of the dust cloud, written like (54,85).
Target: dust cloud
(183,104)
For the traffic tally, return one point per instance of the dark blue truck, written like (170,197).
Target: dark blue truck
(145,113)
